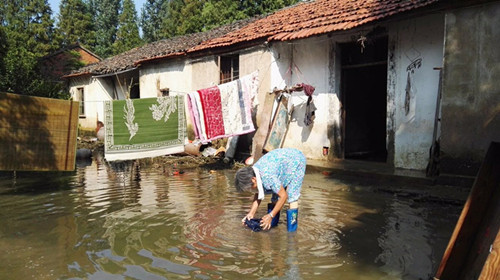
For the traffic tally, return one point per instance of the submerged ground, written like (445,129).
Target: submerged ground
(179,218)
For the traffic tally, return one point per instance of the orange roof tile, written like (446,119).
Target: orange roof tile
(313,18)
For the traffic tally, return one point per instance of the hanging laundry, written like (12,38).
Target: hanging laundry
(212,110)
(231,110)
(201,114)
(194,113)
(236,108)
(308,89)
(310,112)
(37,134)
(249,87)
(225,110)
(141,128)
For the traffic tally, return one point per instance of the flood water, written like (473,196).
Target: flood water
(145,222)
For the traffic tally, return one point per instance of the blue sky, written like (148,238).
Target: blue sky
(54,5)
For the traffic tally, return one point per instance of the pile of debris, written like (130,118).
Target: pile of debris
(196,155)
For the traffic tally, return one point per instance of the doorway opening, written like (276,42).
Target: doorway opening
(364,99)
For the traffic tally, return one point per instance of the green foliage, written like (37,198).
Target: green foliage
(76,24)
(127,36)
(107,21)
(29,31)
(152,14)
(192,21)
(167,18)
(260,7)
(173,19)
(4,47)
(216,13)
(74,62)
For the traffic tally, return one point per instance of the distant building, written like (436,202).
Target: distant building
(63,61)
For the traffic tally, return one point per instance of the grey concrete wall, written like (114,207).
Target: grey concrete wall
(413,40)
(471,87)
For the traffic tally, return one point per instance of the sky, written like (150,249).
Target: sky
(54,5)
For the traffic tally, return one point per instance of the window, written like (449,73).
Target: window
(81,97)
(165,91)
(229,68)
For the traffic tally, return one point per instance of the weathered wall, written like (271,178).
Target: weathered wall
(257,59)
(205,73)
(412,89)
(174,75)
(96,92)
(314,61)
(471,88)
(307,61)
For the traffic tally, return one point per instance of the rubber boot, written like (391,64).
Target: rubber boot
(276,219)
(292,219)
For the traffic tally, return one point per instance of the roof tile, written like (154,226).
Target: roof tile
(302,20)
(306,19)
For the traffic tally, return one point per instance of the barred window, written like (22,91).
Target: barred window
(229,67)
(81,98)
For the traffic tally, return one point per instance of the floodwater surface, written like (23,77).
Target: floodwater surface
(126,221)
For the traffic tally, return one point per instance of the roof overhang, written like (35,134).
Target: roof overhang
(114,73)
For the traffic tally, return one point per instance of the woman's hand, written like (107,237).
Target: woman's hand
(253,209)
(247,217)
(265,223)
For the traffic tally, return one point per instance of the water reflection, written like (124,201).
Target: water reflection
(404,253)
(134,221)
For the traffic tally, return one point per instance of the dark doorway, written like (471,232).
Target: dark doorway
(364,99)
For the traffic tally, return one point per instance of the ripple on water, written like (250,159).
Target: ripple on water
(122,223)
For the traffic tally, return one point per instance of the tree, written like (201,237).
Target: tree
(75,23)
(192,20)
(173,18)
(152,14)
(29,29)
(167,18)
(4,47)
(260,7)
(220,12)
(106,20)
(127,36)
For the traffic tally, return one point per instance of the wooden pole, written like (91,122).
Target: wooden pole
(470,247)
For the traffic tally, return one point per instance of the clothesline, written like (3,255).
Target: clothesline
(295,88)
(308,89)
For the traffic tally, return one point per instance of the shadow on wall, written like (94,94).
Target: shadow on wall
(333,132)
(298,114)
(25,136)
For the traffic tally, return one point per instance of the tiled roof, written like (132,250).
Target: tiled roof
(303,20)
(308,19)
(161,49)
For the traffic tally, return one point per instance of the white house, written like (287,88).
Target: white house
(375,66)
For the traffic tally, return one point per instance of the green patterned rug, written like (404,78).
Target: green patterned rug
(141,128)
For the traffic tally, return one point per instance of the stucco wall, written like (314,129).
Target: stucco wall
(313,61)
(205,73)
(96,92)
(307,61)
(412,124)
(471,88)
(257,59)
(174,75)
